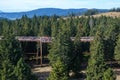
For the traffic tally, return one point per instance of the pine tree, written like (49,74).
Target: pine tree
(23,71)
(10,59)
(61,49)
(111,35)
(10,48)
(77,52)
(10,53)
(109,75)
(59,71)
(97,68)
(86,27)
(117,50)
(6,71)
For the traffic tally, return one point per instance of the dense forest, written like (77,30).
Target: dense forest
(65,56)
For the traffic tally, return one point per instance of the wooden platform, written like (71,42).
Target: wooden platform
(41,40)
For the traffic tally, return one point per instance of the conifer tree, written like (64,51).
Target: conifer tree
(117,51)
(97,68)
(6,71)
(60,54)
(111,35)
(77,52)
(10,53)
(10,59)
(86,27)
(23,72)
(59,71)
(10,48)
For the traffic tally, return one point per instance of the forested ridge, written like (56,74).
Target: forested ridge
(50,12)
(65,56)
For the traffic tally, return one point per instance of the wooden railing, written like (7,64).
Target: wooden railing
(47,39)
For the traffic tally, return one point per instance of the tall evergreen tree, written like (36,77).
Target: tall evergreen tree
(7,70)
(59,71)
(10,58)
(23,72)
(86,27)
(97,68)
(117,51)
(10,48)
(60,49)
(77,52)
(10,53)
(111,34)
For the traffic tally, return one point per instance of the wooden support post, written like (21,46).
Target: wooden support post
(37,53)
(40,53)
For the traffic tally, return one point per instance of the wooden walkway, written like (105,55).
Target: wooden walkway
(49,39)
(41,40)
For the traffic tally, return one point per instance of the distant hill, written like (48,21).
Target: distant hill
(108,14)
(47,12)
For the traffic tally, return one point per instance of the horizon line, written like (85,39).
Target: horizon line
(49,8)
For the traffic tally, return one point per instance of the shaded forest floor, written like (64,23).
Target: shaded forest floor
(43,72)
(117,72)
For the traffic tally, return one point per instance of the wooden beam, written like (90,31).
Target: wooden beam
(47,39)
(40,53)
(37,52)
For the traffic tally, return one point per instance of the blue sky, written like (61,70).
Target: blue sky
(26,5)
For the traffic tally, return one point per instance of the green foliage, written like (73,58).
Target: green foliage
(91,12)
(45,26)
(6,71)
(10,53)
(61,49)
(61,46)
(97,68)
(117,51)
(109,75)
(10,49)
(86,28)
(23,71)
(59,71)
(12,67)
(77,52)
(110,39)
(61,29)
